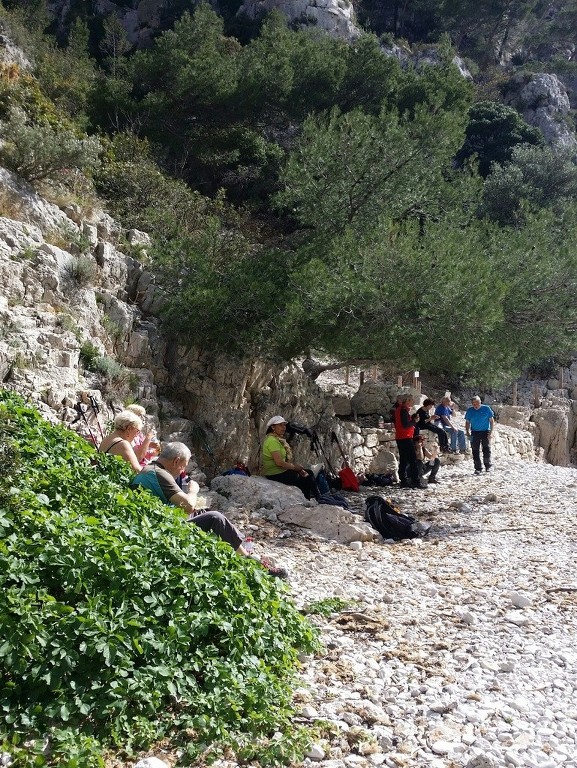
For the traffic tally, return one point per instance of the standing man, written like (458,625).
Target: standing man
(404,432)
(479,425)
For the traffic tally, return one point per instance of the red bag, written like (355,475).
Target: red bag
(349,479)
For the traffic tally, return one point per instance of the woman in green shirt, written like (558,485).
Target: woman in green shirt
(277,460)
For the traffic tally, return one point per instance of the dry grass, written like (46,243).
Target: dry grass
(10,204)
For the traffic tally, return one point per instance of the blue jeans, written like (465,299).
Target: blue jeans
(457,437)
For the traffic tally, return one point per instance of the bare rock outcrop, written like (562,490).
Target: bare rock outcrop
(544,103)
(336,17)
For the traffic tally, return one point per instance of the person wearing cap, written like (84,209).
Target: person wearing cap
(159,477)
(277,460)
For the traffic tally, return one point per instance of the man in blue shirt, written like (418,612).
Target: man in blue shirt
(444,412)
(479,425)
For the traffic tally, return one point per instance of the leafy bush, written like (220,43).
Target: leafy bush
(121,624)
(40,151)
(89,354)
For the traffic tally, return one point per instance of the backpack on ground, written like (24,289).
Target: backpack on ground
(387,519)
(349,480)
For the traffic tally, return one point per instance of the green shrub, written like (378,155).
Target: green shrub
(40,151)
(88,356)
(121,624)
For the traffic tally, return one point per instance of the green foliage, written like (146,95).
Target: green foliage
(356,168)
(89,354)
(535,177)
(327,606)
(493,132)
(40,151)
(122,624)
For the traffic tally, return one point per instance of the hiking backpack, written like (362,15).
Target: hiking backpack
(387,519)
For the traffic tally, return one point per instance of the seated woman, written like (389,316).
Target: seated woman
(159,477)
(427,421)
(277,461)
(119,442)
(146,446)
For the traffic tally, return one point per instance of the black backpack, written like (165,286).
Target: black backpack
(387,519)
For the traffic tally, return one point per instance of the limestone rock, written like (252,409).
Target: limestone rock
(257,492)
(374,397)
(333,523)
(543,102)
(336,17)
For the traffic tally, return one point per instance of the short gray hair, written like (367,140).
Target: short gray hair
(171,451)
(126,419)
(476,397)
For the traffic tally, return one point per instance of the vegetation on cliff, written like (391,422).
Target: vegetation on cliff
(303,192)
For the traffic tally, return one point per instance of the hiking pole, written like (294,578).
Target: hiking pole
(96,410)
(81,411)
(316,446)
(335,439)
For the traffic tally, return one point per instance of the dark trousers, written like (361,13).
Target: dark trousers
(430,468)
(307,484)
(441,434)
(408,462)
(478,440)
(215,522)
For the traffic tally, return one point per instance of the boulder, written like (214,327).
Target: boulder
(513,416)
(333,523)
(556,431)
(384,462)
(342,405)
(544,103)
(374,397)
(255,492)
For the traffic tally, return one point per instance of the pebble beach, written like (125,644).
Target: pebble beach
(456,649)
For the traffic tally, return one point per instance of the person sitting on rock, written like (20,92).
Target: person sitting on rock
(159,477)
(427,421)
(428,460)
(445,412)
(277,460)
(127,426)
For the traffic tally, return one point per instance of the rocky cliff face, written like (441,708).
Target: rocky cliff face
(61,302)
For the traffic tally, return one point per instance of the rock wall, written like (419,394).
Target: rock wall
(336,17)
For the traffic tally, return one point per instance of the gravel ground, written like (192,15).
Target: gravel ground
(458,649)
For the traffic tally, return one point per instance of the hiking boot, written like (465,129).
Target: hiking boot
(433,480)
(478,472)
(488,469)
(275,571)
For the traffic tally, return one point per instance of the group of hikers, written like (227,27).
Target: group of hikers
(416,461)
(162,468)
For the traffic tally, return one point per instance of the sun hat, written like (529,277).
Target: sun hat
(275,420)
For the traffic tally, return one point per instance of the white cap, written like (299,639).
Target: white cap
(276,420)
